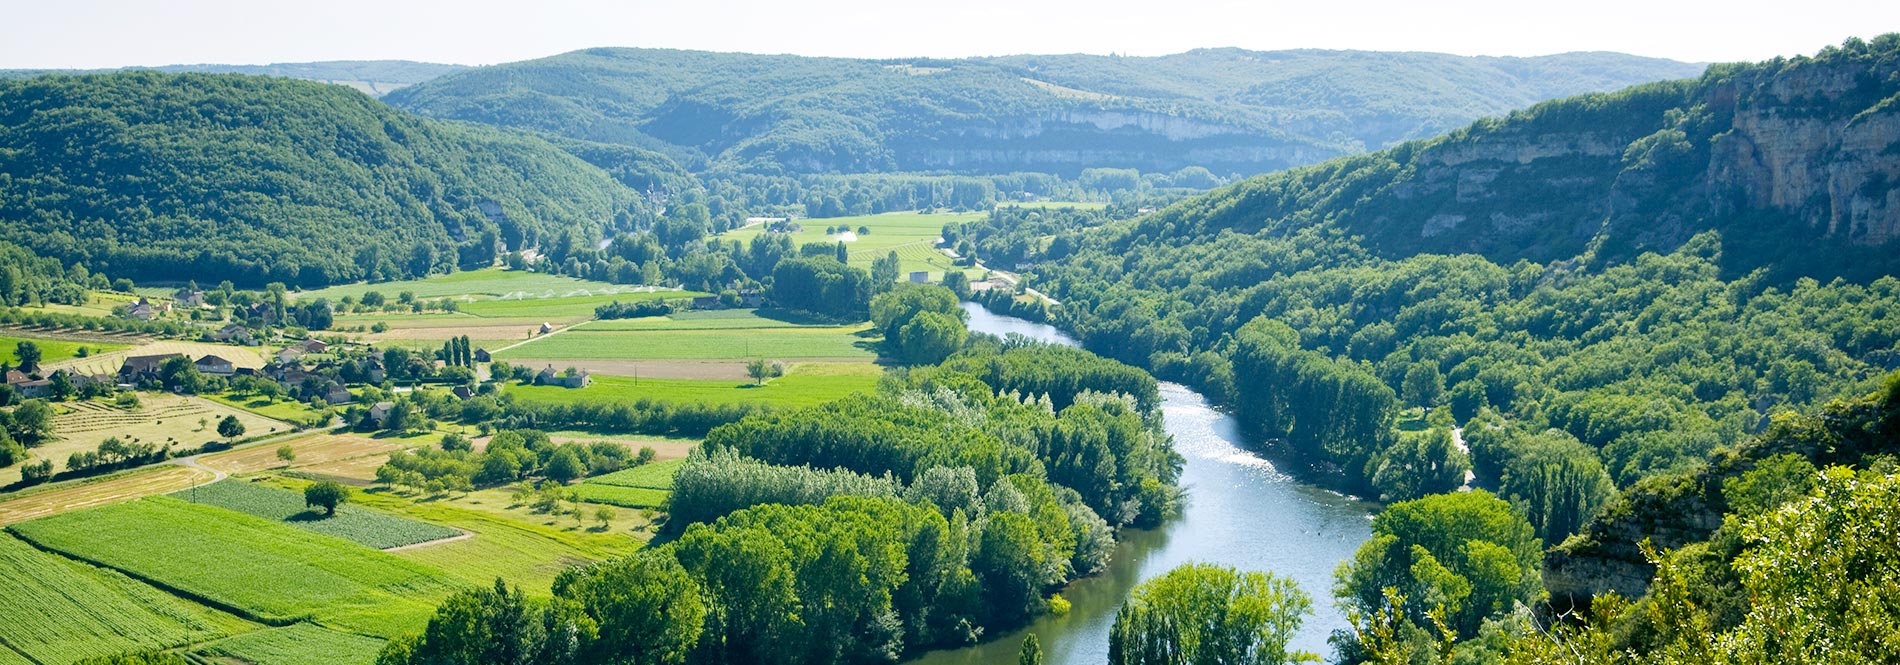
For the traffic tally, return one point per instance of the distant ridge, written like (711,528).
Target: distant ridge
(1229,110)
(373,77)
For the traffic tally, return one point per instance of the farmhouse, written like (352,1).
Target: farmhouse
(188,297)
(751,298)
(313,346)
(569,379)
(919,277)
(215,366)
(139,367)
(380,412)
(290,354)
(481,355)
(146,310)
(16,377)
(234,333)
(373,368)
(337,394)
(706,302)
(462,392)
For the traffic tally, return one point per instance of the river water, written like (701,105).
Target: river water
(1240,512)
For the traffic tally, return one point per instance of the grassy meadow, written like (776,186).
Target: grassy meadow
(913,235)
(52,350)
(804,384)
(489,282)
(832,342)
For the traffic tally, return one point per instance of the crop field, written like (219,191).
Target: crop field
(1051,205)
(566,307)
(835,342)
(108,363)
(266,569)
(311,451)
(658,475)
(162,418)
(295,644)
(55,610)
(491,282)
(804,384)
(360,525)
(709,319)
(283,409)
(510,541)
(52,350)
(625,497)
(923,257)
(149,481)
(886,231)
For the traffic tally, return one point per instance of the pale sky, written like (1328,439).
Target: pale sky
(113,33)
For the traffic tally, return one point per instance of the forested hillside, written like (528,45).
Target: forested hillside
(374,77)
(171,177)
(1792,160)
(1227,110)
(1309,302)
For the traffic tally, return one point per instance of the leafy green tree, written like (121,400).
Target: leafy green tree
(648,609)
(325,494)
(1469,553)
(286,454)
(32,422)
(1031,651)
(230,427)
(565,466)
(931,337)
(28,355)
(1419,464)
(1203,613)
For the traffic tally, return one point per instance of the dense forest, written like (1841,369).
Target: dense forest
(169,177)
(947,505)
(1648,362)
(1227,110)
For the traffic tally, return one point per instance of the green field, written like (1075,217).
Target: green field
(269,571)
(506,544)
(287,410)
(296,644)
(804,384)
(54,610)
(735,344)
(658,475)
(52,349)
(1051,205)
(491,282)
(567,307)
(361,525)
(705,319)
(911,234)
(626,497)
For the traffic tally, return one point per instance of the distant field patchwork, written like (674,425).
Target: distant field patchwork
(914,232)
(491,282)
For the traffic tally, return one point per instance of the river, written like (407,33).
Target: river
(1240,512)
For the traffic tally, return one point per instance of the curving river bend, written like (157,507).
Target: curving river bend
(1240,512)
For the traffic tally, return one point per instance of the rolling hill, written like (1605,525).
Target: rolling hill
(255,179)
(1794,161)
(1229,110)
(372,77)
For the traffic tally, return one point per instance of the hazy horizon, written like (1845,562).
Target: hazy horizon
(90,34)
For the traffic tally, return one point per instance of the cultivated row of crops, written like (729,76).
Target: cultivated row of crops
(296,644)
(368,527)
(267,570)
(57,611)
